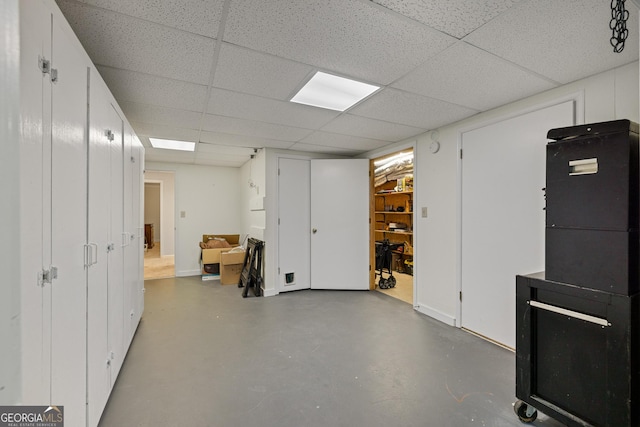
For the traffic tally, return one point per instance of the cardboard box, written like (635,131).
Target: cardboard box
(212,256)
(231,267)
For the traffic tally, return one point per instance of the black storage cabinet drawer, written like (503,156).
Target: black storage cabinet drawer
(592,176)
(577,353)
(598,259)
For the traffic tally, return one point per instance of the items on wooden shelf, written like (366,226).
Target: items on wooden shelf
(393,213)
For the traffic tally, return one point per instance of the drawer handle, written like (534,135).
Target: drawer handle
(583,167)
(570,313)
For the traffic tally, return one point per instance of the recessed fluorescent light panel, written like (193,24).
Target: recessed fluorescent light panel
(170,144)
(335,93)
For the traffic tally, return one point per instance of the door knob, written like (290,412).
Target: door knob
(315,230)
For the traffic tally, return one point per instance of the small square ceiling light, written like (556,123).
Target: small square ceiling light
(335,93)
(170,144)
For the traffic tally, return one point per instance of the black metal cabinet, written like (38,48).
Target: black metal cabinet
(577,357)
(592,213)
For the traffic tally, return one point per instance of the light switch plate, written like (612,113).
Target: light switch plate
(424,212)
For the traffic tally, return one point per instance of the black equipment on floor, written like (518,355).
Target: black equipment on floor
(384,253)
(251,275)
(578,323)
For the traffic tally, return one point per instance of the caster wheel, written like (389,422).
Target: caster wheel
(383,284)
(526,413)
(391,282)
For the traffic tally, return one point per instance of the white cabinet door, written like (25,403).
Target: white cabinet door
(35,112)
(340,224)
(68,228)
(117,238)
(503,173)
(294,224)
(133,249)
(105,128)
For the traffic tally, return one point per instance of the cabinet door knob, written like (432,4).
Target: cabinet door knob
(315,230)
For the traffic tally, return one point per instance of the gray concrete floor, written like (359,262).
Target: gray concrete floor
(204,356)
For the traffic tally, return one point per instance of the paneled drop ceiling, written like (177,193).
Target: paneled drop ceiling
(221,72)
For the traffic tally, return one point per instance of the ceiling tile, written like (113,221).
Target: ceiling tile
(482,81)
(196,16)
(310,148)
(253,128)
(562,40)
(349,124)
(162,131)
(347,36)
(152,114)
(242,141)
(454,17)
(412,110)
(160,155)
(327,139)
(149,48)
(234,104)
(243,70)
(154,90)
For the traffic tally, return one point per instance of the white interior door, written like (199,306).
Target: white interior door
(340,224)
(294,224)
(503,173)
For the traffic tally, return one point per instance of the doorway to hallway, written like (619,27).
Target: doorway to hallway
(392,225)
(159,223)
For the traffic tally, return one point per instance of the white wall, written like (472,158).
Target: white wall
(9,208)
(253,220)
(606,96)
(210,197)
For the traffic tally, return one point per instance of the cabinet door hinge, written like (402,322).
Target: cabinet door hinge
(45,66)
(47,276)
(461,153)
(460,295)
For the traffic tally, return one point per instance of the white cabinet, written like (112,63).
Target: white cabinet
(80,177)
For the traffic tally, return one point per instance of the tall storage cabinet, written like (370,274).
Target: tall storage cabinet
(578,323)
(81,240)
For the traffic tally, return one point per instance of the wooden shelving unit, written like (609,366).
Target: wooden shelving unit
(386,203)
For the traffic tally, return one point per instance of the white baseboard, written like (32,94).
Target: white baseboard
(186,273)
(436,314)
(269,292)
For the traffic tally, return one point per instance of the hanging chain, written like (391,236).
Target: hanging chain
(618,25)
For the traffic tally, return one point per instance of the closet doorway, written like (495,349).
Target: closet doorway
(392,225)
(159,225)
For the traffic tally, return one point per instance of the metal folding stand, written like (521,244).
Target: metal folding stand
(251,276)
